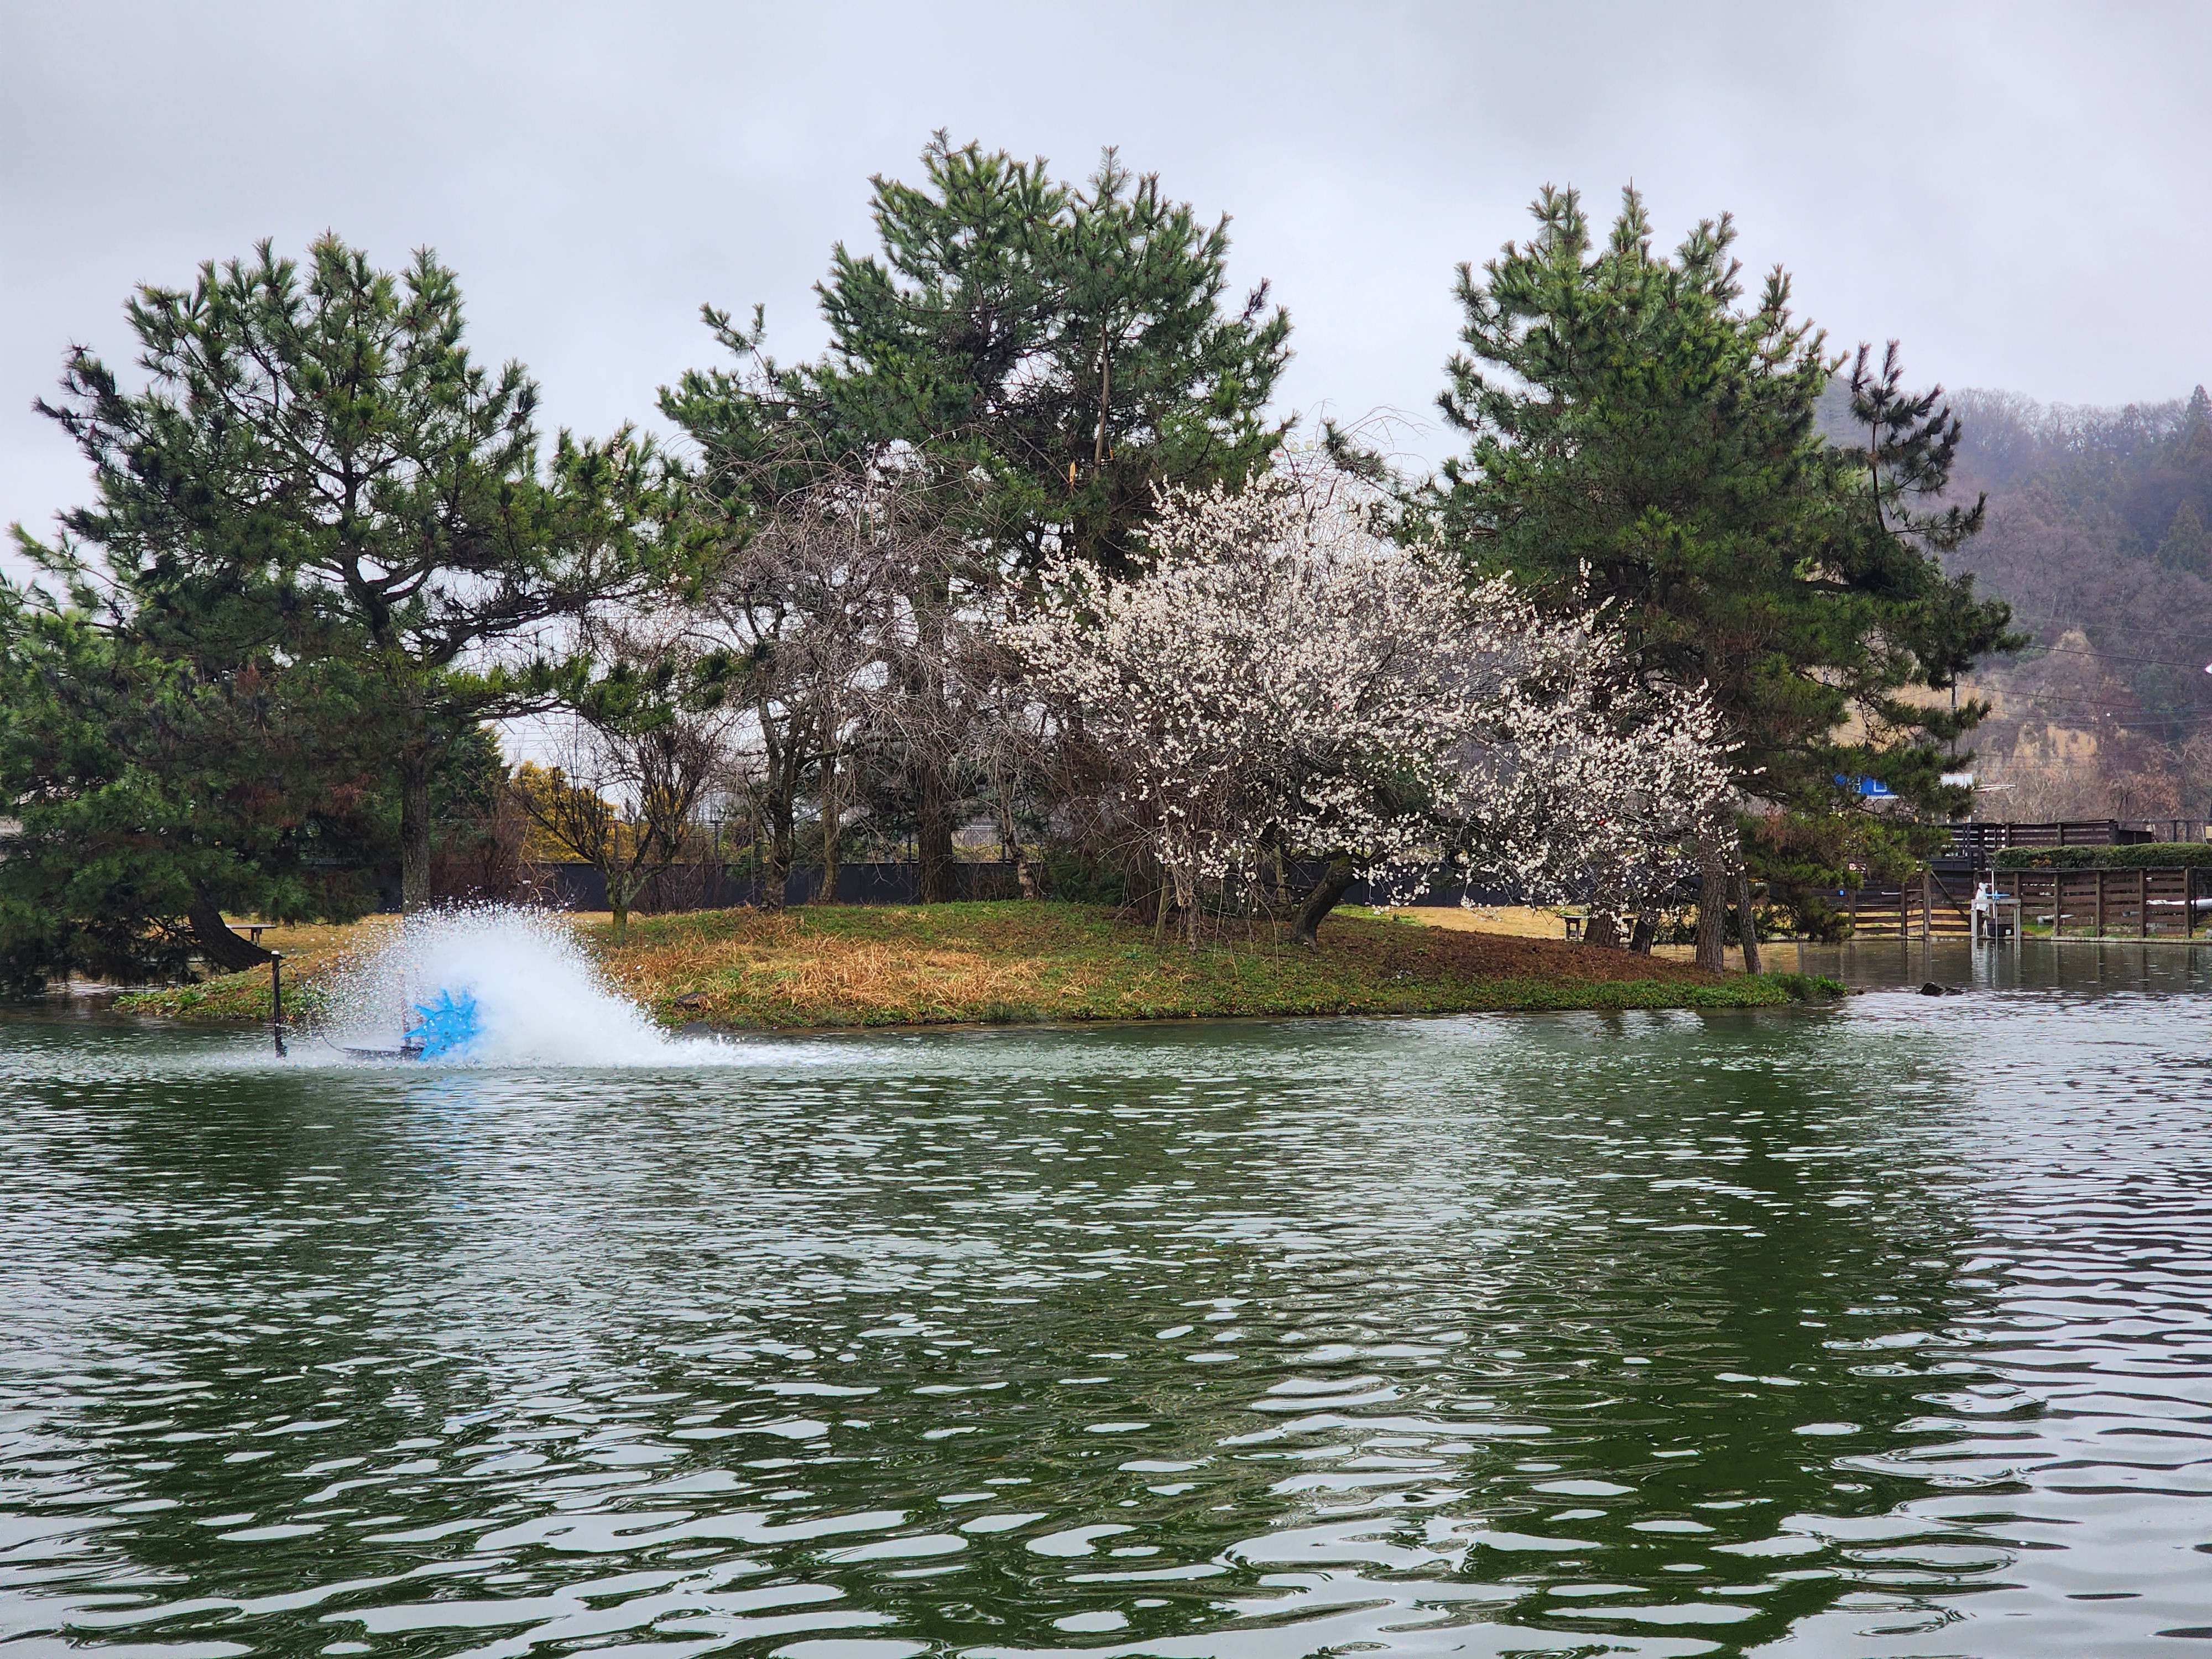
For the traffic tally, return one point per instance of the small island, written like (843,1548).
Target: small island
(828,967)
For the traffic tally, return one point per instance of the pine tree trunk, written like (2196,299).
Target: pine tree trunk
(1324,898)
(223,948)
(1746,924)
(415,830)
(934,805)
(1712,903)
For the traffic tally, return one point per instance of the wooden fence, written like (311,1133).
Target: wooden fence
(2072,903)
(2128,904)
(1935,903)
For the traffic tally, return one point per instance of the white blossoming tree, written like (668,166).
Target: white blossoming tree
(1586,783)
(1283,677)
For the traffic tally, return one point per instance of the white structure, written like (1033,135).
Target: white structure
(1995,915)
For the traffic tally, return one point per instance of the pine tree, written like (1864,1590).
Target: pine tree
(2187,545)
(325,438)
(1068,344)
(1639,441)
(151,789)
(1048,354)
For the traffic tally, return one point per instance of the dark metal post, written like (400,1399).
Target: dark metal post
(276,1000)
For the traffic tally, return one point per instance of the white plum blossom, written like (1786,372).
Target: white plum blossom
(1584,782)
(1284,677)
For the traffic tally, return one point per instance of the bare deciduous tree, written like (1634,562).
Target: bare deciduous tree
(836,606)
(643,747)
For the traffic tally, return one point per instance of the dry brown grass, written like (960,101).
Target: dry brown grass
(1533,921)
(1473,954)
(313,942)
(1514,920)
(750,957)
(856,978)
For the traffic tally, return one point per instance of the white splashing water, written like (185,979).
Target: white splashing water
(539,1000)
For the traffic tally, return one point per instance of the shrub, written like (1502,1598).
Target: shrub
(2148,855)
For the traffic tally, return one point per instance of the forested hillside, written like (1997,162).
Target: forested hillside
(2097,534)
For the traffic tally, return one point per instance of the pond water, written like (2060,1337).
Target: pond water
(1881,1330)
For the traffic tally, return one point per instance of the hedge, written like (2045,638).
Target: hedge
(2148,855)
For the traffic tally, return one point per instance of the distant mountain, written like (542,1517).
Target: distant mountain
(2097,534)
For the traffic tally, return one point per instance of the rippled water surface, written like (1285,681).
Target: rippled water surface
(1878,1330)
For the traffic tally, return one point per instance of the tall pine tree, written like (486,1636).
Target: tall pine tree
(1639,440)
(322,437)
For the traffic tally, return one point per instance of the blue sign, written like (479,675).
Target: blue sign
(1872,788)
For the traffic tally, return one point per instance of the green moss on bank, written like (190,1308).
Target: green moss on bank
(1006,963)
(230,997)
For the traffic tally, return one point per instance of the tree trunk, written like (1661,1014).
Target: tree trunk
(618,897)
(1009,832)
(773,876)
(1639,936)
(1603,928)
(832,812)
(1323,899)
(933,802)
(1712,903)
(1746,922)
(414,833)
(1185,894)
(223,948)
(782,832)
(933,833)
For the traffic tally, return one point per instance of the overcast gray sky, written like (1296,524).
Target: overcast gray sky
(2017,191)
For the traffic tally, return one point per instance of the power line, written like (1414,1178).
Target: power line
(2104,656)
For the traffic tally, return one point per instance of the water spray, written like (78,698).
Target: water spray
(491,986)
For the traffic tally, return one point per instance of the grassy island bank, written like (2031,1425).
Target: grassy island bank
(1007,964)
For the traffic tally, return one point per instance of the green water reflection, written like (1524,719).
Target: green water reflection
(1877,1330)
